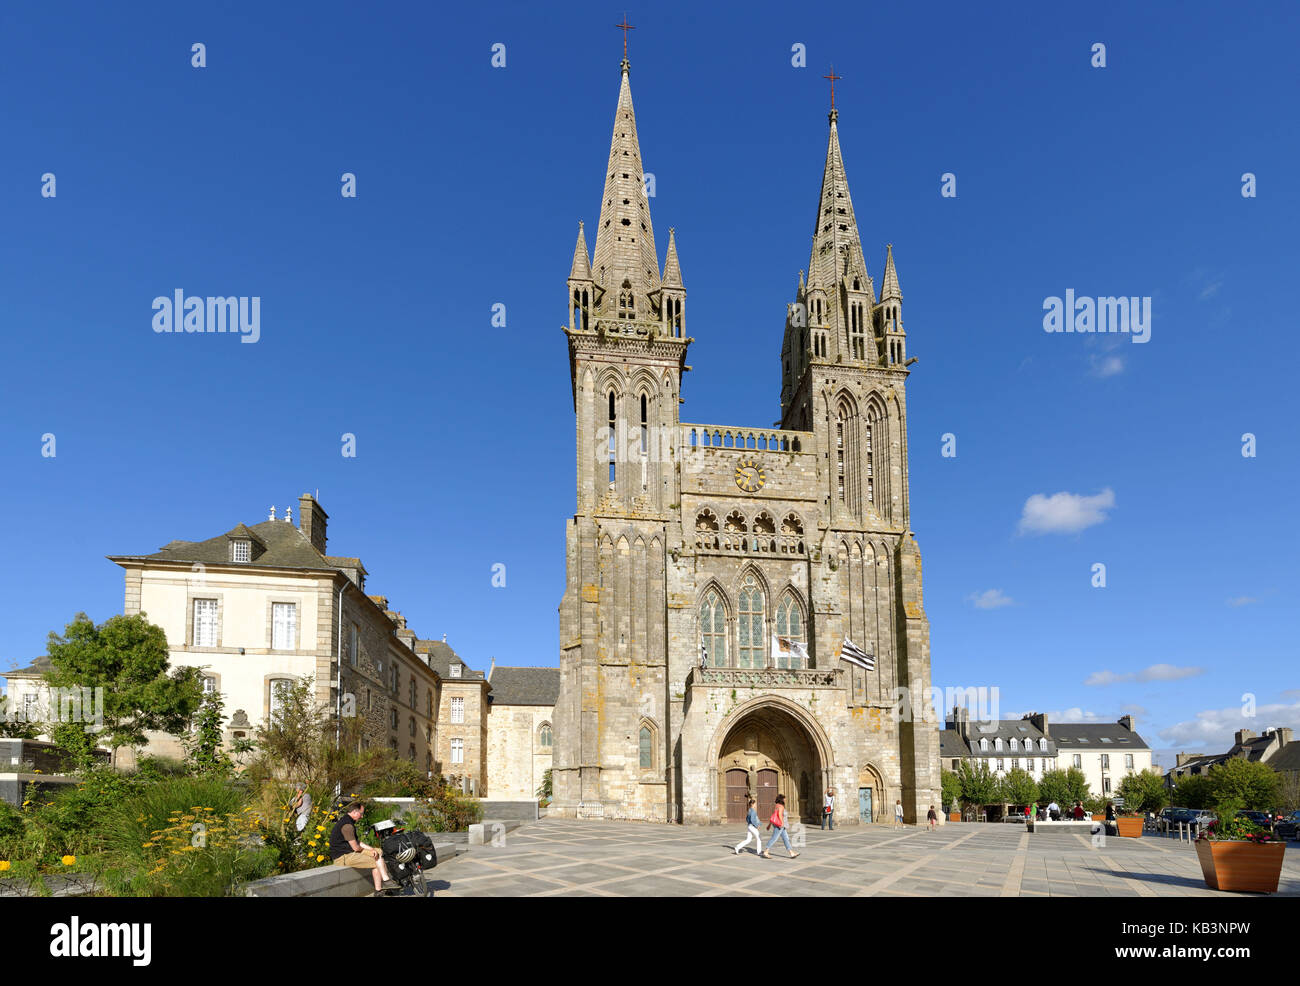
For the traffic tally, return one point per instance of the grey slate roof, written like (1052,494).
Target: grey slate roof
(951,744)
(1287,758)
(286,547)
(441,657)
(36,668)
(525,686)
(1004,729)
(1095,736)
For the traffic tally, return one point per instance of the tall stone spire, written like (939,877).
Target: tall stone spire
(625,239)
(889,289)
(581,269)
(672,268)
(836,248)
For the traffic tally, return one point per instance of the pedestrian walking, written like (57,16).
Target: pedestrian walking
(778,823)
(751,820)
(932,818)
(898,813)
(828,810)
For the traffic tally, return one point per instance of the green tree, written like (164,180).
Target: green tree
(544,790)
(1246,783)
(122,663)
(1065,787)
(979,786)
(1192,791)
(204,749)
(1144,792)
(1019,787)
(951,788)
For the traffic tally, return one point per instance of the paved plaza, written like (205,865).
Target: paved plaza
(560,857)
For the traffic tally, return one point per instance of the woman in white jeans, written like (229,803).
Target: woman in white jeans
(751,820)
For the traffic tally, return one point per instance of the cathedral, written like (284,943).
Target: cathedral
(742,604)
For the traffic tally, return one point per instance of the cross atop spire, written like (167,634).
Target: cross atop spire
(625,27)
(833,78)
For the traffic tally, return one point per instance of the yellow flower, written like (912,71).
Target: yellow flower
(69,860)
(4,865)
(318,859)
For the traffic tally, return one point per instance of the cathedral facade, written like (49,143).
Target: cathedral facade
(715,572)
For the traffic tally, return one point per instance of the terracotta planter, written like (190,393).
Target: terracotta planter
(1239,865)
(1098,816)
(1129,828)
(954,816)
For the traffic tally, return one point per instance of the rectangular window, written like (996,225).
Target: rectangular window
(1015,763)
(209,685)
(1105,785)
(279,690)
(1105,761)
(31,708)
(1078,761)
(457,710)
(458,751)
(999,763)
(205,623)
(240,550)
(284,626)
(1128,761)
(455,670)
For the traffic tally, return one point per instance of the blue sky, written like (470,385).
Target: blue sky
(1123,180)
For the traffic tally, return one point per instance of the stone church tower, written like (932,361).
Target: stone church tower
(715,571)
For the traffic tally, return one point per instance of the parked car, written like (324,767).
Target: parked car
(1288,826)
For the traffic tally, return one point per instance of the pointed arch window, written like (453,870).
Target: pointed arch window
(790,626)
(839,454)
(544,737)
(867,457)
(613,428)
(646,748)
(713,630)
(752,635)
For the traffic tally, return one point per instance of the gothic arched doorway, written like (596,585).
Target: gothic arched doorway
(769,750)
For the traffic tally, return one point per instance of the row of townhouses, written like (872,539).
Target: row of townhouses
(1105,752)
(260,608)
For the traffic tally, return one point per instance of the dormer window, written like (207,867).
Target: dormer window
(241,550)
(454,670)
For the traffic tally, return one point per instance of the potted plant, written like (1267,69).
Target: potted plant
(1236,854)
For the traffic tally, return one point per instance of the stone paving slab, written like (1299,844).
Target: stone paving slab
(564,857)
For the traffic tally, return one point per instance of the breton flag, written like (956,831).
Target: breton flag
(787,653)
(855,655)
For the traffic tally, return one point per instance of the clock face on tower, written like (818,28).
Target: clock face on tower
(749,476)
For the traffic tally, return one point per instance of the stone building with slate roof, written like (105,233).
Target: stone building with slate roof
(261,607)
(1274,747)
(704,561)
(1105,752)
(520,729)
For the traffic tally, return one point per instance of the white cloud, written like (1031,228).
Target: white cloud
(1242,601)
(1212,731)
(1211,289)
(1108,366)
(990,599)
(1064,513)
(1156,672)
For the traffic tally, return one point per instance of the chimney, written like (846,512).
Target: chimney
(1039,721)
(492,668)
(1126,722)
(311,521)
(1182,758)
(1244,736)
(1284,734)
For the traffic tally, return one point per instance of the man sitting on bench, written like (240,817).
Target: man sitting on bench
(347,850)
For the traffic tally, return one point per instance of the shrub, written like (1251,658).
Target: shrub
(183,836)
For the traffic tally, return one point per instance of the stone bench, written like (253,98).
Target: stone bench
(333,881)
